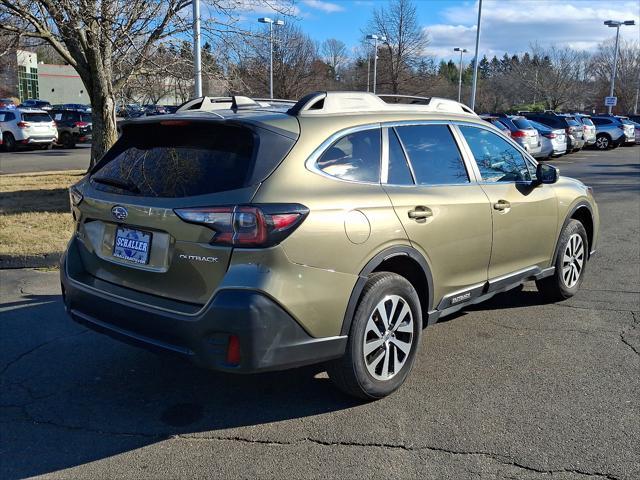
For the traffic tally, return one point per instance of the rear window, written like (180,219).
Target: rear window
(154,160)
(521,123)
(587,121)
(36,117)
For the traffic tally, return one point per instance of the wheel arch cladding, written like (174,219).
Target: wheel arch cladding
(583,214)
(406,262)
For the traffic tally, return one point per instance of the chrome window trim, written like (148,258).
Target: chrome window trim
(414,123)
(528,159)
(311,162)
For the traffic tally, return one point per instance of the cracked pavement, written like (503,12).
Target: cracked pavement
(512,388)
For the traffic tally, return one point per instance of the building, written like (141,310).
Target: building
(61,84)
(21,76)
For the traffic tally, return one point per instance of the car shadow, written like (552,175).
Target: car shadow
(80,397)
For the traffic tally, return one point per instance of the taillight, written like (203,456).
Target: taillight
(233,350)
(550,135)
(247,225)
(22,124)
(519,134)
(81,124)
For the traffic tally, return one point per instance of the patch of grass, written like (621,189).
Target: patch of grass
(35,223)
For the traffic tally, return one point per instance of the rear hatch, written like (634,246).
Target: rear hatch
(574,128)
(37,124)
(529,134)
(129,231)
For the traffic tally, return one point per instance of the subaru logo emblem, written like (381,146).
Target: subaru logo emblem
(119,213)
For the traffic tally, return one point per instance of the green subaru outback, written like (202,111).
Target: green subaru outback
(251,236)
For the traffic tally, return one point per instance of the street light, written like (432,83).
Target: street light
(461,50)
(475,59)
(375,39)
(271,23)
(197,62)
(616,24)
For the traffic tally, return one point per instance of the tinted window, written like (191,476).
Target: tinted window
(587,121)
(354,157)
(6,116)
(434,154)
(497,159)
(601,121)
(572,122)
(36,117)
(522,123)
(177,161)
(399,173)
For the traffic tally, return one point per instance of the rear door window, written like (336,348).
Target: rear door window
(198,158)
(355,157)
(399,173)
(433,154)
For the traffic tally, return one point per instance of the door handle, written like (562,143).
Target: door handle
(420,213)
(502,205)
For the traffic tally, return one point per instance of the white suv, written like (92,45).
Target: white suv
(25,126)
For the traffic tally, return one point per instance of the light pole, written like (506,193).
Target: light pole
(475,59)
(271,23)
(197,61)
(615,24)
(461,50)
(375,39)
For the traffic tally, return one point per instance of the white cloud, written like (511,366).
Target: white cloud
(514,25)
(326,7)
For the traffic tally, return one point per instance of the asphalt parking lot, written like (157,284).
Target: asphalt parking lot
(31,160)
(509,389)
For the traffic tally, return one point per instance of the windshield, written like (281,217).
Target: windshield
(522,123)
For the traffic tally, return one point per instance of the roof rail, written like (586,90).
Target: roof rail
(329,103)
(234,102)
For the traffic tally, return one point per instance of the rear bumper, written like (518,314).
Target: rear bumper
(38,140)
(270,339)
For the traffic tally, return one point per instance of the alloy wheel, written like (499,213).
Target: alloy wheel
(388,337)
(602,143)
(573,260)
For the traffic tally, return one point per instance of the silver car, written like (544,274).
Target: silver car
(553,141)
(588,128)
(523,133)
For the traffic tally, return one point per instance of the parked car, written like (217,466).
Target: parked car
(554,141)
(27,127)
(522,132)
(636,126)
(151,110)
(74,126)
(573,129)
(493,120)
(35,103)
(629,130)
(632,116)
(192,234)
(6,103)
(588,128)
(610,132)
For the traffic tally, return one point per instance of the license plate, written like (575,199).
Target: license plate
(132,245)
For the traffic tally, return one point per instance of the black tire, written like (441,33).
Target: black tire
(9,142)
(555,287)
(603,141)
(67,140)
(350,373)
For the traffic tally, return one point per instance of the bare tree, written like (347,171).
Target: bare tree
(106,41)
(335,55)
(405,43)
(627,73)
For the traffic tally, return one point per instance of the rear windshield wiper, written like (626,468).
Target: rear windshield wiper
(116,182)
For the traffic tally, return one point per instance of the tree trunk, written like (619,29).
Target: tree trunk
(103,115)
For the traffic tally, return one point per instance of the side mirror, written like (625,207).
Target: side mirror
(547,173)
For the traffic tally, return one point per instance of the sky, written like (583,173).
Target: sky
(507,25)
